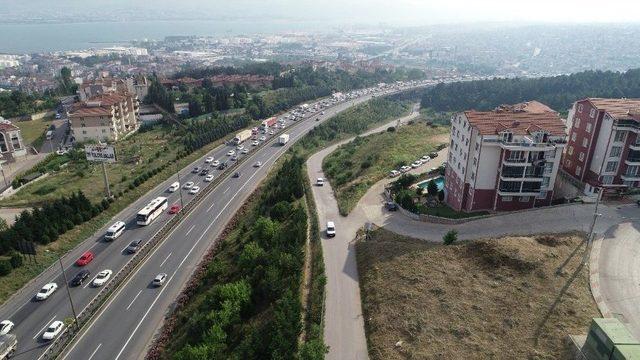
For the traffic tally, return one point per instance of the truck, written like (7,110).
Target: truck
(283,139)
(242,136)
(268,123)
(8,345)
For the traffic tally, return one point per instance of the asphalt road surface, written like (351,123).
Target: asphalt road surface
(127,323)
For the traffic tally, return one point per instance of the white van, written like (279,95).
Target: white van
(114,231)
(331,229)
(174,187)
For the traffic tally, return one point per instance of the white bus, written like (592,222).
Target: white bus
(114,231)
(151,211)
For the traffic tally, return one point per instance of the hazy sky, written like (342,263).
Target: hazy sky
(396,12)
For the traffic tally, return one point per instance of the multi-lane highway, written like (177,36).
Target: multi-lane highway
(126,324)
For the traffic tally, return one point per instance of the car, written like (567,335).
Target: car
(416,164)
(240,147)
(46,291)
(317,119)
(222,166)
(255,143)
(159,279)
(53,330)
(194,190)
(331,229)
(85,258)
(102,277)
(5,327)
(262,138)
(405,168)
(215,163)
(236,175)
(433,155)
(433,169)
(195,170)
(134,246)
(425,158)
(322,113)
(271,132)
(234,158)
(174,209)
(187,185)
(394,173)
(174,187)
(231,153)
(204,172)
(320,182)
(61,151)
(208,178)
(208,160)
(80,277)
(257,164)
(244,151)
(391,206)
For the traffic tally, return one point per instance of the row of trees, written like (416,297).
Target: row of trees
(559,92)
(160,96)
(199,133)
(256,312)
(18,103)
(263,106)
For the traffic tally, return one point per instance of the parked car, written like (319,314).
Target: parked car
(53,330)
(394,173)
(134,246)
(46,291)
(80,277)
(433,155)
(425,158)
(416,164)
(85,258)
(391,206)
(174,209)
(208,178)
(405,168)
(102,277)
(159,279)
(187,185)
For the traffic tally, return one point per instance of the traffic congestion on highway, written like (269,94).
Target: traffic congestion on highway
(41,311)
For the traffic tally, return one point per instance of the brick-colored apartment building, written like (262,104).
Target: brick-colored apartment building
(505,159)
(105,117)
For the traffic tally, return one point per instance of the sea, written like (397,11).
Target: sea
(31,38)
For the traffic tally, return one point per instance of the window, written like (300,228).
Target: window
(506,136)
(507,198)
(611,166)
(632,170)
(104,130)
(629,183)
(620,136)
(573,137)
(615,151)
(588,127)
(576,122)
(84,132)
(567,163)
(607,179)
(542,195)
(578,170)
(585,142)
(524,199)
(581,156)
(580,107)
(592,113)
(477,146)
(570,150)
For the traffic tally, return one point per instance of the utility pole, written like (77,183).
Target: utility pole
(593,225)
(106,180)
(66,285)
(180,191)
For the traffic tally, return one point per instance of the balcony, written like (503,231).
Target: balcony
(630,177)
(634,147)
(628,125)
(632,161)
(526,144)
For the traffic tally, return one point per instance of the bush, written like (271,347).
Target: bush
(5,267)
(124,178)
(105,204)
(450,237)
(391,129)
(15,260)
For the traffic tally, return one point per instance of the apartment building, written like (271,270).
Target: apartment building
(505,159)
(138,85)
(105,117)
(603,150)
(11,145)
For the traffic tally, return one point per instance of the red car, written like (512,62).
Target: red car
(174,209)
(85,258)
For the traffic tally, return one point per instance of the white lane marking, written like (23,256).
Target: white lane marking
(134,299)
(44,327)
(191,228)
(94,352)
(89,282)
(227,189)
(165,259)
(209,209)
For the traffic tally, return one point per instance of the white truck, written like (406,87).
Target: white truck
(8,345)
(283,139)
(242,136)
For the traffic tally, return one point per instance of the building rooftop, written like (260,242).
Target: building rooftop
(618,108)
(520,119)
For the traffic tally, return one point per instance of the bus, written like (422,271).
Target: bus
(151,211)
(115,230)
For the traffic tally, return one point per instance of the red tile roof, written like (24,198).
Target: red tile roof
(520,119)
(91,111)
(618,108)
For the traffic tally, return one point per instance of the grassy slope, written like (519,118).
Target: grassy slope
(354,167)
(498,298)
(33,131)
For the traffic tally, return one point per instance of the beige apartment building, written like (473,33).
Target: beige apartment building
(105,117)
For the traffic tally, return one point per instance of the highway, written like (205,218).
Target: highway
(126,324)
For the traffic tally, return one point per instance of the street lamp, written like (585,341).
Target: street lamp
(66,285)
(180,190)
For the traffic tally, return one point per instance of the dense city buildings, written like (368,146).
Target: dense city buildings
(603,150)
(505,159)
(107,116)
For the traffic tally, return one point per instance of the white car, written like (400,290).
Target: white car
(394,173)
(208,178)
(255,143)
(102,277)
(320,182)
(187,185)
(231,153)
(160,279)
(240,147)
(262,138)
(216,163)
(244,151)
(257,164)
(53,330)
(271,132)
(194,190)
(46,291)
(416,164)
(234,158)
(208,160)
(331,229)
(425,158)
(5,327)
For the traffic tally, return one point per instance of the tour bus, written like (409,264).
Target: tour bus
(114,231)
(152,210)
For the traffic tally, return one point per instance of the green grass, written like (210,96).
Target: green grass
(447,212)
(354,167)
(33,131)
(436,117)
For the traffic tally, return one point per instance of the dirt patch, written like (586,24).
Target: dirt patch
(508,298)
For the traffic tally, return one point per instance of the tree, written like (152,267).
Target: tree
(450,237)
(66,85)
(441,195)
(432,188)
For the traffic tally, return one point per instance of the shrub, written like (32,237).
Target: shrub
(130,187)
(391,129)
(432,188)
(15,260)
(441,195)
(5,267)
(124,178)
(105,204)
(450,237)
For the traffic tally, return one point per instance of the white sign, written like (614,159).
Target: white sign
(100,153)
